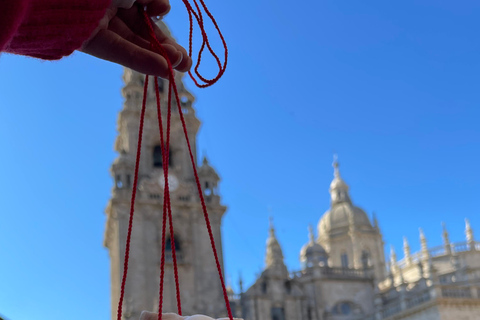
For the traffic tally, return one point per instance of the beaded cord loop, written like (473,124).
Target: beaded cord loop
(167,210)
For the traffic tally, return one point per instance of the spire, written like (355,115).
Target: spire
(274,257)
(338,187)
(375,220)
(335,164)
(271,228)
(423,242)
(311,236)
(393,259)
(446,239)
(240,282)
(406,251)
(205,160)
(469,234)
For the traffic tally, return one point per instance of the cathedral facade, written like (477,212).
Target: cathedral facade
(344,275)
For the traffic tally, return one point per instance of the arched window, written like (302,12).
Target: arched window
(168,244)
(264,287)
(118,181)
(157,157)
(344,260)
(365,259)
(168,249)
(208,189)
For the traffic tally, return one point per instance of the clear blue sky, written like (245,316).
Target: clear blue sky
(392,87)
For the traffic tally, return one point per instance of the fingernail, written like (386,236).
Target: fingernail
(179,60)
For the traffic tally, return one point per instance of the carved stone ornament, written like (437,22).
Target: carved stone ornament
(151,184)
(172,316)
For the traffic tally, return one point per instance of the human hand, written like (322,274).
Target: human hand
(122,37)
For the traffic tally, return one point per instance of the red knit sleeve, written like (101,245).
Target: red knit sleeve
(11,16)
(52,29)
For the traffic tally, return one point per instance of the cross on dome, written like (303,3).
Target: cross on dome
(338,187)
(311,236)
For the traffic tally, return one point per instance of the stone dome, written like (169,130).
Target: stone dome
(206,170)
(311,249)
(312,253)
(342,212)
(339,217)
(338,183)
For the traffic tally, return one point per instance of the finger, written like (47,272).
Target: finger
(135,22)
(156,7)
(120,28)
(108,45)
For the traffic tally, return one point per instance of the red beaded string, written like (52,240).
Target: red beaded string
(158,46)
(132,203)
(165,147)
(205,42)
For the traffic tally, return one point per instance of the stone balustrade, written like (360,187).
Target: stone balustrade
(439,251)
(337,273)
(412,300)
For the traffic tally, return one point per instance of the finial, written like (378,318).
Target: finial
(406,251)
(469,233)
(335,165)
(423,239)
(422,235)
(393,260)
(446,239)
(240,282)
(311,236)
(375,220)
(271,226)
(423,243)
(445,232)
(393,255)
(205,160)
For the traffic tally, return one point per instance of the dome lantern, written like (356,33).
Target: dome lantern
(312,253)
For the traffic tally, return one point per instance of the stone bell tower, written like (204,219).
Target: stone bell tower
(199,282)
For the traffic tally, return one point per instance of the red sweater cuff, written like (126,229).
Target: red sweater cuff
(52,29)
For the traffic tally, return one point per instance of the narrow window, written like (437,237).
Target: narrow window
(365,259)
(157,157)
(344,260)
(168,244)
(129,182)
(264,287)
(208,189)
(168,249)
(118,181)
(278,314)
